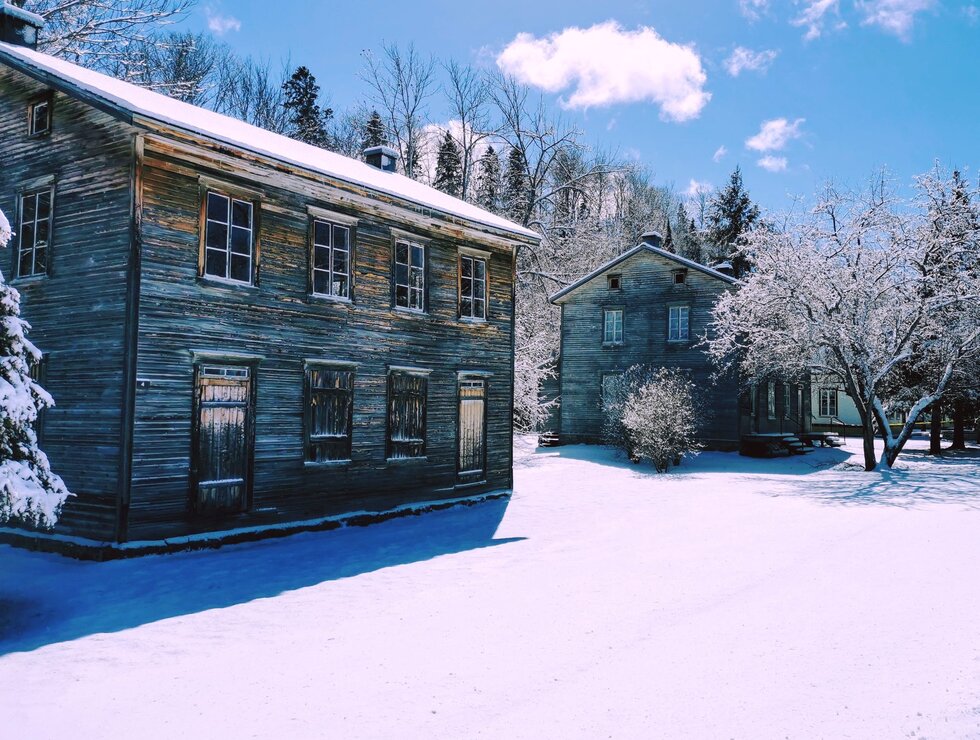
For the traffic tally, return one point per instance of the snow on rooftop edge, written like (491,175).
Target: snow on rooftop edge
(232,131)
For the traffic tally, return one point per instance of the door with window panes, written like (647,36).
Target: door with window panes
(223,444)
(472,463)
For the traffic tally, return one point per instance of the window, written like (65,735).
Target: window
(331,259)
(229,238)
(472,287)
(612,332)
(409,276)
(828,402)
(771,400)
(39,117)
(406,414)
(330,410)
(680,277)
(614,282)
(679,324)
(35,233)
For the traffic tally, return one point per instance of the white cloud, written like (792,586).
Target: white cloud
(775,134)
(773,164)
(753,9)
(814,17)
(893,16)
(606,64)
(695,187)
(755,61)
(720,153)
(222,24)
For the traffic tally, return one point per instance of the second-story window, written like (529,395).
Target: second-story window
(612,326)
(331,259)
(35,233)
(39,117)
(409,275)
(472,287)
(229,238)
(679,324)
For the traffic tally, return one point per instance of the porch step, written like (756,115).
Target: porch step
(772,445)
(548,439)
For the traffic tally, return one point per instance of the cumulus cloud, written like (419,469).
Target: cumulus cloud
(893,16)
(742,59)
(720,153)
(775,134)
(816,14)
(773,164)
(222,24)
(753,9)
(696,187)
(606,64)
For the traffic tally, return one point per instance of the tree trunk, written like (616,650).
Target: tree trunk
(936,429)
(868,431)
(959,425)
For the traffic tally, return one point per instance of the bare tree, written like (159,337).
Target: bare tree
(469,100)
(250,91)
(185,66)
(402,83)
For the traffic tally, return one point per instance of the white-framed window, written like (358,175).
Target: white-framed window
(409,275)
(331,259)
(34,241)
(678,324)
(329,413)
(39,117)
(472,287)
(612,326)
(827,405)
(229,238)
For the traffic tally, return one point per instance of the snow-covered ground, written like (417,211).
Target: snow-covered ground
(734,598)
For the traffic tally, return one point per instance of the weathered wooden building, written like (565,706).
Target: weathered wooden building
(241,331)
(650,306)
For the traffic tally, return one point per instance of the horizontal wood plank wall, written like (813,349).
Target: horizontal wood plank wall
(278,322)
(646,293)
(78,311)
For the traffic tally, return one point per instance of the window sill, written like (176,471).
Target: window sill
(29,279)
(224,283)
(327,463)
(472,320)
(613,345)
(678,341)
(407,460)
(322,297)
(410,311)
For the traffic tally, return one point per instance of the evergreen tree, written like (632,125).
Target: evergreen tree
(449,168)
(686,239)
(488,181)
(516,187)
(669,237)
(374,131)
(731,216)
(29,492)
(307,119)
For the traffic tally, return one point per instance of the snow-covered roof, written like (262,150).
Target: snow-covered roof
(137,101)
(642,247)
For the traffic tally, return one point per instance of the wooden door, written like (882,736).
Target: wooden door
(472,430)
(223,450)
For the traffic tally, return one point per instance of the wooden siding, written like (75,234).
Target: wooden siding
(278,326)
(647,290)
(78,311)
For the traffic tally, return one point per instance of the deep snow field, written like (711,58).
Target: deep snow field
(732,598)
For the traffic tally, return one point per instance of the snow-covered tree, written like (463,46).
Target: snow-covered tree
(308,119)
(731,216)
(850,290)
(487,190)
(449,168)
(29,492)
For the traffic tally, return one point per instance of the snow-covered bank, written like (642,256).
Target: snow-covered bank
(733,598)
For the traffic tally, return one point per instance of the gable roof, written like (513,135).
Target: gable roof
(642,247)
(131,102)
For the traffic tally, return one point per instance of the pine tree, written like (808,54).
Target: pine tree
(307,119)
(516,187)
(732,214)
(374,131)
(449,168)
(29,492)
(686,239)
(488,181)
(669,237)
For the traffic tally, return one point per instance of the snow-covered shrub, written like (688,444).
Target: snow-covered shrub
(653,416)
(29,492)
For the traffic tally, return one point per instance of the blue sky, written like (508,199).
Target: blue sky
(846,87)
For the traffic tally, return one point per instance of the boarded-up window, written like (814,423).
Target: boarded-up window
(410,276)
(331,259)
(229,238)
(330,393)
(472,287)
(406,414)
(35,233)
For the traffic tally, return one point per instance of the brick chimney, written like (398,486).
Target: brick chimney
(18,26)
(653,238)
(382,157)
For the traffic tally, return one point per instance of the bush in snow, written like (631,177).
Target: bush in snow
(652,414)
(29,492)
